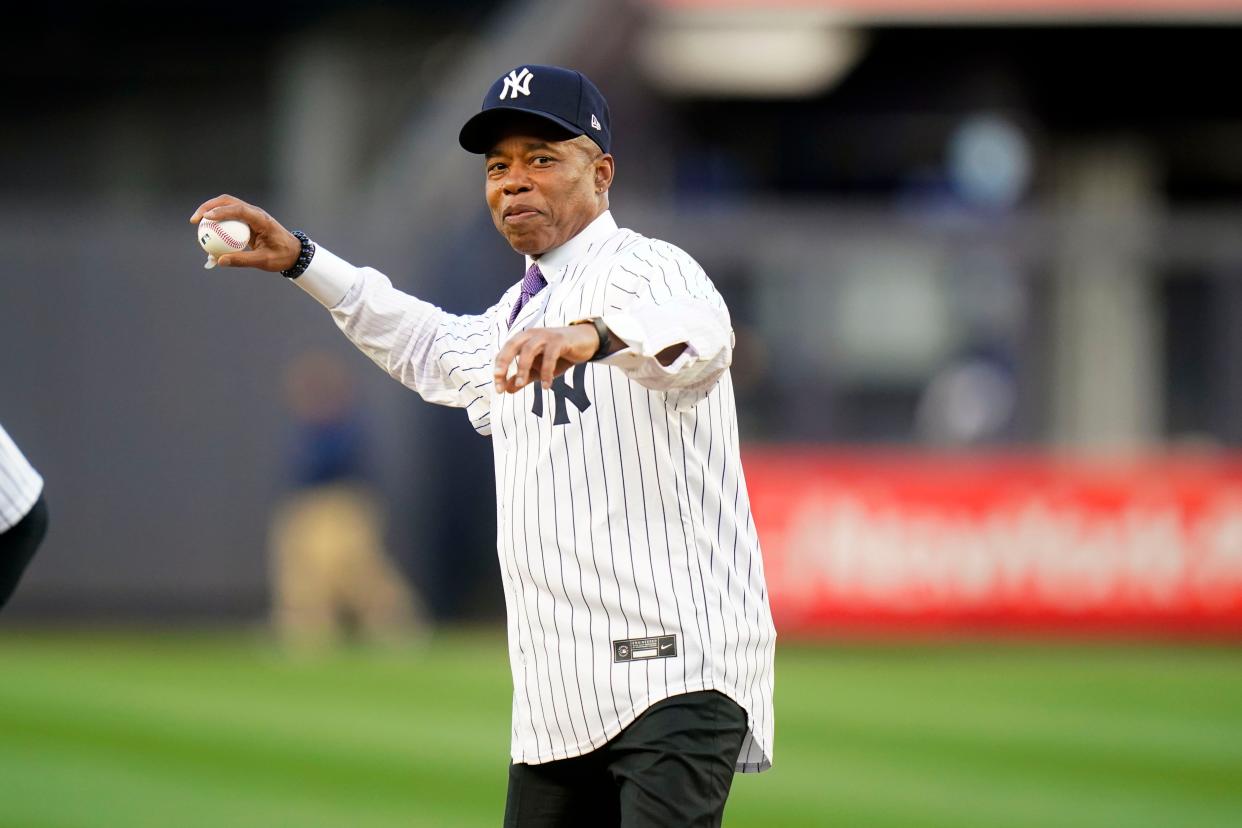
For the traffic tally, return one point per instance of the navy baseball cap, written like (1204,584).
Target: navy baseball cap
(562,97)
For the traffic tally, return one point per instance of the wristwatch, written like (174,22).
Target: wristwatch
(605,338)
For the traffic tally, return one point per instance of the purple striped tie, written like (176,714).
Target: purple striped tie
(531,284)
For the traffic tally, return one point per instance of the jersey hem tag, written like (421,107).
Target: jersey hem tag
(644,649)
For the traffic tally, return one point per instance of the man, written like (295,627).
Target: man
(331,574)
(640,637)
(23,515)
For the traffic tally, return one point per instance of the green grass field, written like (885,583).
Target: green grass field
(113,729)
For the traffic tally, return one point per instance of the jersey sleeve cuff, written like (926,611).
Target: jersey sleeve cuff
(643,342)
(328,278)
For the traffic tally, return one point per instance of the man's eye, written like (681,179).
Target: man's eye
(543,160)
(494,168)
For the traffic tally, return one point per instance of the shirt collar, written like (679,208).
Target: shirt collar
(552,263)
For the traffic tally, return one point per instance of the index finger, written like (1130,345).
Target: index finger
(248,214)
(211,204)
(508,352)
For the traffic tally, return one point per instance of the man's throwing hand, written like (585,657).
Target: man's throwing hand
(273,248)
(543,354)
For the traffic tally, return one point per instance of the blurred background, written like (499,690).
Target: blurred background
(984,264)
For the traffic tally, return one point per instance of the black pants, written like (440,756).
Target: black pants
(671,768)
(18,545)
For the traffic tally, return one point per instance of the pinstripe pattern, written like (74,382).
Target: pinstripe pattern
(20,484)
(631,520)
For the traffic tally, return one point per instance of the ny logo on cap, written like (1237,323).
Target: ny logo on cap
(517,84)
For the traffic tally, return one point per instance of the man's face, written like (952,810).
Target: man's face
(542,191)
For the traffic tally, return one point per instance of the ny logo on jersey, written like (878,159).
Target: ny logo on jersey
(516,84)
(575,393)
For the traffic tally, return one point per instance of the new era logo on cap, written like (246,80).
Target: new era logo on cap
(562,99)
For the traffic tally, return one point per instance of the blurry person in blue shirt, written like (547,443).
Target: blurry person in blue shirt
(331,575)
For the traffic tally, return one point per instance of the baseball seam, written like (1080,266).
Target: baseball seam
(225,237)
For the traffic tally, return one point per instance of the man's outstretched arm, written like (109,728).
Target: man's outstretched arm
(444,357)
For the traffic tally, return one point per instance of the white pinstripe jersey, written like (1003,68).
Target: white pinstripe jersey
(630,562)
(20,484)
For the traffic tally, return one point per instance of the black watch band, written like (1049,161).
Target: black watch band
(304,256)
(605,339)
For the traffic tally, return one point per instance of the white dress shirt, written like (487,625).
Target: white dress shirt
(631,566)
(20,484)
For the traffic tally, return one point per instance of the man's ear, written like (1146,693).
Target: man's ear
(604,169)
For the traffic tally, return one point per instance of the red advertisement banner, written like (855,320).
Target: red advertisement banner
(872,542)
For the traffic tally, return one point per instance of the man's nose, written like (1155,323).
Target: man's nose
(516,181)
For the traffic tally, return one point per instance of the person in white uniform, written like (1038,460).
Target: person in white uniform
(23,515)
(640,636)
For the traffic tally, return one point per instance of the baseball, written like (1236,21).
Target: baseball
(220,237)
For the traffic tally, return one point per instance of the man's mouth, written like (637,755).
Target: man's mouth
(517,215)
